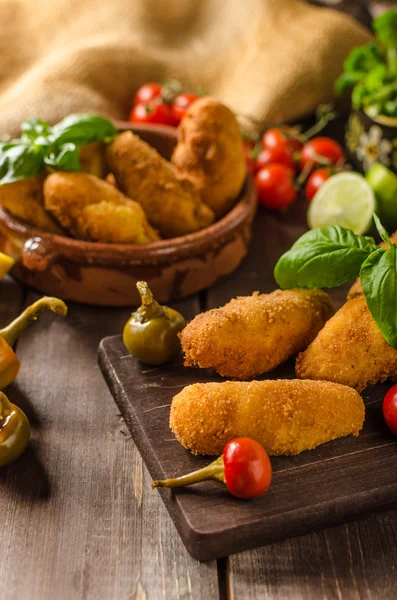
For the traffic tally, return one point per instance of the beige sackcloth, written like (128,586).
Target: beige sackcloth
(272,59)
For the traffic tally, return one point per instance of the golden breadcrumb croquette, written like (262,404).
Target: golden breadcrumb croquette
(93,159)
(350,349)
(285,416)
(252,335)
(356,289)
(173,207)
(210,153)
(24,200)
(92,209)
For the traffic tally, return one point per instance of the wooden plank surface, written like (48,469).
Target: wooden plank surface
(78,517)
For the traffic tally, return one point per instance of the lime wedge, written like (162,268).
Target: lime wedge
(6,264)
(345,199)
(384,184)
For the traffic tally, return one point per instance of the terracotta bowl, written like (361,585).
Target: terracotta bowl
(106,274)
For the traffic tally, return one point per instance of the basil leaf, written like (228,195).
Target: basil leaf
(32,129)
(66,158)
(385,27)
(378,277)
(324,257)
(83,129)
(381,230)
(19,161)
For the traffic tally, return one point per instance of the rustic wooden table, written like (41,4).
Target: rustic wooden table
(78,517)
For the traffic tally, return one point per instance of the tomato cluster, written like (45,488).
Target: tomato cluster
(284,160)
(155,103)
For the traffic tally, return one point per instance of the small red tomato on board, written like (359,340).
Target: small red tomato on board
(281,139)
(271,155)
(248,470)
(275,186)
(322,151)
(147,92)
(181,103)
(316,180)
(248,147)
(390,409)
(154,112)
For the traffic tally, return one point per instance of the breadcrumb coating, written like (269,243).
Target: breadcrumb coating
(350,349)
(253,334)
(285,416)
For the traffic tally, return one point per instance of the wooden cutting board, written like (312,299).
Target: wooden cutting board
(337,481)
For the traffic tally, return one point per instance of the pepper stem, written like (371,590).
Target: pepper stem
(5,406)
(12,332)
(150,308)
(215,470)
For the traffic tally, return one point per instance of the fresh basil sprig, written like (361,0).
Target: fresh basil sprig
(325,257)
(57,147)
(330,256)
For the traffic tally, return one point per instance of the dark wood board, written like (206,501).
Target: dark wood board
(316,489)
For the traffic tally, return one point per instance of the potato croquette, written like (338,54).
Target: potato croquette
(92,209)
(210,154)
(350,349)
(252,335)
(93,159)
(173,207)
(356,289)
(24,200)
(285,416)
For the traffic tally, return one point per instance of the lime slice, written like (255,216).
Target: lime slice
(345,199)
(384,184)
(6,263)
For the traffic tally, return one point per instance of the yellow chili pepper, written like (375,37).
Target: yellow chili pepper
(14,431)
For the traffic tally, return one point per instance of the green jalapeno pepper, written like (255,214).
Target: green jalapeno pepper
(151,333)
(9,362)
(14,431)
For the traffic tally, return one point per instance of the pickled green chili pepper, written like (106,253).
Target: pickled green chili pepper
(151,333)
(9,362)
(14,431)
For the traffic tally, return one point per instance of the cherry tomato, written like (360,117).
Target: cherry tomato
(181,104)
(248,146)
(281,139)
(154,112)
(248,470)
(272,155)
(275,186)
(390,409)
(316,180)
(146,93)
(322,150)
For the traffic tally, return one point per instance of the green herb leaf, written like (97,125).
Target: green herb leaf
(381,230)
(19,161)
(81,129)
(378,277)
(66,158)
(385,27)
(32,129)
(324,257)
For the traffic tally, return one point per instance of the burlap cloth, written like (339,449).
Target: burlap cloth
(273,59)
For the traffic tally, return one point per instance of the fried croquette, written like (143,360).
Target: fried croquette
(173,207)
(356,289)
(93,159)
(285,416)
(210,154)
(24,200)
(350,349)
(252,335)
(92,209)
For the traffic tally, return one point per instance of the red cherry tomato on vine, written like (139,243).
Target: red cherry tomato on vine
(154,112)
(248,146)
(181,103)
(146,93)
(248,470)
(275,186)
(322,151)
(281,139)
(316,180)
(390,409)
(271,155)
